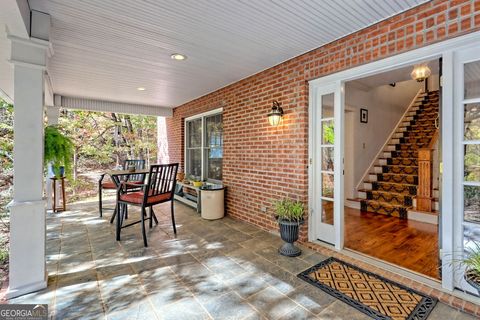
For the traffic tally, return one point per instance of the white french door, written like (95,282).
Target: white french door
(466,106)
(326,164)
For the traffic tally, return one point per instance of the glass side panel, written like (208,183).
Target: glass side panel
(327,212)
(472,80)
(214,128)
(328,132)
(471,200)
(471,119)
(327,158)
(327,105)
(471,162)
(327,185)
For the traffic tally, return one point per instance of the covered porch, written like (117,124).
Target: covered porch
(223,269)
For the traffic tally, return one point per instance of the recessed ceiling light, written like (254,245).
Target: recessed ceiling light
(141,89)
(178,56)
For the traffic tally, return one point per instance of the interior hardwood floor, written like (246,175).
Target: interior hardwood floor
(410,244)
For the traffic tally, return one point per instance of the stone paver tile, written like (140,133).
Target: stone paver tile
(185,309)
(298,313)
(340,310)
(311,298)
(443,312)
(246,284)
(272,303)
(137,311)
(229,306)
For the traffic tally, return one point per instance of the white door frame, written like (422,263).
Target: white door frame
(444,49)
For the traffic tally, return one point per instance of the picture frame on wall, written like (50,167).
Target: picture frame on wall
(363,115)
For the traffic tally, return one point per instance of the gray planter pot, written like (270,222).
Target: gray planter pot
(470,281)
(289,233)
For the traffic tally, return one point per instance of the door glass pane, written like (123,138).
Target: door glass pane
(327,185)
(327,158)
(194,158)
(327,212)
(328,132)
(472,121)
(471,235)
(327,105)
(472,162)
(471,199)
(472,80)
(194,133)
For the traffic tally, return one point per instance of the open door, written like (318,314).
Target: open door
(326,169)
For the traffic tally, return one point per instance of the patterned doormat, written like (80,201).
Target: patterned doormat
(369,293)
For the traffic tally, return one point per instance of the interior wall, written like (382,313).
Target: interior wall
(385,105)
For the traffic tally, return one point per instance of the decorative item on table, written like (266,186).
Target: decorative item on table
(58,151)
(180,176)
(289,215)
(197,183)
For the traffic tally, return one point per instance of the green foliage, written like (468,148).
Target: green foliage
(329,133)
(6,135)
(290,210)
(472,260)
(3,256)
(58,150)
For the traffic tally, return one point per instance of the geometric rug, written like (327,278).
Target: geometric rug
(367,292)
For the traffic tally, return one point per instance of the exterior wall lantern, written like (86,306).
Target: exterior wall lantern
(421,72)
(275,114)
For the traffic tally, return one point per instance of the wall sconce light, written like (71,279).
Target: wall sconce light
(421,72)
(275,114)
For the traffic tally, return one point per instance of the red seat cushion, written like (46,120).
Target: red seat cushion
(137,197)
(109,185)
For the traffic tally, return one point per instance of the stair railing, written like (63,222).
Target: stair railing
(425,173)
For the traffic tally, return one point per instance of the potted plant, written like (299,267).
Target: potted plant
(289,215)
(471,262)
(58,151)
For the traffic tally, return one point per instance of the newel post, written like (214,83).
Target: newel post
(424,191)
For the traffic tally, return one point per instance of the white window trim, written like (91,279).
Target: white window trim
(198,116)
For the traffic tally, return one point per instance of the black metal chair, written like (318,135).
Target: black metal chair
(111,185)
(160,188)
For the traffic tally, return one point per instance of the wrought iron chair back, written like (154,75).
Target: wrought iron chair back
(139,164)
(161,181)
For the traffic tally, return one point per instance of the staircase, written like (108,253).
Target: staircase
(391,187)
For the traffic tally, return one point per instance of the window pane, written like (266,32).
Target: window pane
(472,162)
(327,106)
(471,235)
(327,158)
(328,132)
(327,212)
(472,80)
(194,133)
(214,127)
(214,163)
(327,185)
(471,196)
(194,160)
(472,121)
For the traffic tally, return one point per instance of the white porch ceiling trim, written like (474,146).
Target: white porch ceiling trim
(110,106)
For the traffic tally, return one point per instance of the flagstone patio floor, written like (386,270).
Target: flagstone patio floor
(223,269)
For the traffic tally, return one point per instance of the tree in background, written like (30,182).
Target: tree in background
(103,141)
(6,152)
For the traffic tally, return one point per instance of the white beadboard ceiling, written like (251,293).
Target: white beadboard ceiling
(105,49)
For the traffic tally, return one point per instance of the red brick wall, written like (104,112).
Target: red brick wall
(262,163)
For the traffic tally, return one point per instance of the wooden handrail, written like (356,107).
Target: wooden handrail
(424,191)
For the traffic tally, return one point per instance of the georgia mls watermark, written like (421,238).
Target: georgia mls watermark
(23,311)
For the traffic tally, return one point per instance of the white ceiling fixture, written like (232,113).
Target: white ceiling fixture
(178,56)
(141,89)
(105,48)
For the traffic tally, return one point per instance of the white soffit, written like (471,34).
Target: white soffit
(106,49)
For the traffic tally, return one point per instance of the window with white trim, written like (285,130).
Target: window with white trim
(204,146)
